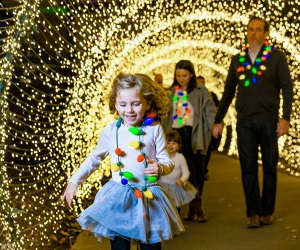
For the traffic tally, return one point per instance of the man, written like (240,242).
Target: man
(158,78)
(259,72)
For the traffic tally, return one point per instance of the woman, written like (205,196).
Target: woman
(192,114)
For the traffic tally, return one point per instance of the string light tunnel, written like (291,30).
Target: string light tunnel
(58,59)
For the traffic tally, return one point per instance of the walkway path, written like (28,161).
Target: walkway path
(226,226)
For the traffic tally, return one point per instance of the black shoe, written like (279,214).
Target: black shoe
(191,214)
(200,215)
(188,219)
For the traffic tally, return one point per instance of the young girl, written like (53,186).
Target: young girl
(177,183)
(131,205)
(192,114)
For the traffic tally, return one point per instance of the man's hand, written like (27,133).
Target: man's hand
(282,127)
(217,129)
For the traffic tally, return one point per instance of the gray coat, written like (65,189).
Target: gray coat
(204,117)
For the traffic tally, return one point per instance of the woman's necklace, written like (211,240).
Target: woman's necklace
(182,110)
(248,71)
(126,175)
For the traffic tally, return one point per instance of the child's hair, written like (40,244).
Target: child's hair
(173,135)
(154,93)
(200,77)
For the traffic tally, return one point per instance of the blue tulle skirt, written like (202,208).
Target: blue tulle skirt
(117,212)
(180,195)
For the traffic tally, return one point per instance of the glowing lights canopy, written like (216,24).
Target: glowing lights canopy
(58,59)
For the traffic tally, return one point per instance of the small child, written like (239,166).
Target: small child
(131,205)
(176,183)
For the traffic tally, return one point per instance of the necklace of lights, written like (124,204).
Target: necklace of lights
(126,175)
(182,110)
(255,69)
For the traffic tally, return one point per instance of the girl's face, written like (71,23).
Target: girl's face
(183,77)
(131,106)
(172,147)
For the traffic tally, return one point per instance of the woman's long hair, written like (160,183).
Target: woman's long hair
(187,65)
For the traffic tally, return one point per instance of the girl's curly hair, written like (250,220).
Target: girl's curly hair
(153,92)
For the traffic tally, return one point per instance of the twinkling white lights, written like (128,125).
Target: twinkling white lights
(60,58)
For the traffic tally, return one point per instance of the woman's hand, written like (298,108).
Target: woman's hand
(69,193)
(153,169)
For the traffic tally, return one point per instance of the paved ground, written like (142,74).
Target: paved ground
(226,226)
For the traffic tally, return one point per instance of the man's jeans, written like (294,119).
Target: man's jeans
(252,133)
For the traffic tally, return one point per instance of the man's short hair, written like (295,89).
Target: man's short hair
(267,25)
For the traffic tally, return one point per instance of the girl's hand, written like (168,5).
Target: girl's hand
(179,183)
(69,193)
(153,169)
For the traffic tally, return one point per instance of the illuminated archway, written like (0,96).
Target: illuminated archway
(59,60)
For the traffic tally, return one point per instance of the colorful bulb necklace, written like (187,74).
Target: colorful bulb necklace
(182,110)
(253,70)
(126,175)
